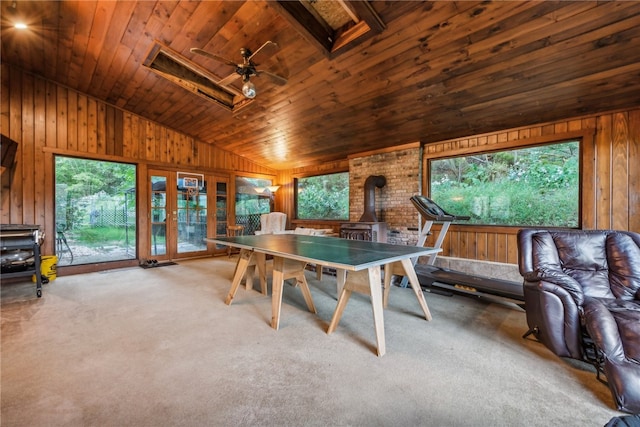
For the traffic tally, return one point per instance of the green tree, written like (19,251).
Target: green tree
(324,197)
(532,186)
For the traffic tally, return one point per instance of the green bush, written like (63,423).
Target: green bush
(536,186)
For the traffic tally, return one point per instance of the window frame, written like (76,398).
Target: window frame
(585,142)
(60,242)
(295,197)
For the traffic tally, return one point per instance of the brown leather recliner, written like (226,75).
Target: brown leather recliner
(582,290)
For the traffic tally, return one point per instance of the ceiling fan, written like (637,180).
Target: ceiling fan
(246,69)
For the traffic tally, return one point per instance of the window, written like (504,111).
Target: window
(535,186)
(323,196)
(253,198)
(95,211)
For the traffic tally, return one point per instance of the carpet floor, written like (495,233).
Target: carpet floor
(158,347)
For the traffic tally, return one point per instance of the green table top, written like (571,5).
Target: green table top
(331,251)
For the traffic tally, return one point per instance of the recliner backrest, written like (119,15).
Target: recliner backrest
(605,263)
(583,256)
(623,257)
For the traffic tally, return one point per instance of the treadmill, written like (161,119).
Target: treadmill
(431,276)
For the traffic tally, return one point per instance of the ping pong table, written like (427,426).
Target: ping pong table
(357,264)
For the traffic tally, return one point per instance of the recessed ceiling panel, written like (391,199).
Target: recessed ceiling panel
(176,68)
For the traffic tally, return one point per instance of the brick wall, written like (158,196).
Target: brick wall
(402,171)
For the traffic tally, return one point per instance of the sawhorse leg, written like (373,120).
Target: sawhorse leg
(246,257)
(284,269)
(259,260)
(366,282)
(404,268)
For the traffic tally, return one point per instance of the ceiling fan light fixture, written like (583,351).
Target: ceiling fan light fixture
(249,90)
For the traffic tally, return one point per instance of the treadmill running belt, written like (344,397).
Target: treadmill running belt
(429,275)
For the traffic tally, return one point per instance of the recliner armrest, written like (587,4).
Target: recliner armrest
(564,293)
(553,278)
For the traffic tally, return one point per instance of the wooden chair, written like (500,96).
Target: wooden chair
(232,231)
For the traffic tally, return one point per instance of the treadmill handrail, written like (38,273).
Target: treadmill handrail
(432,211)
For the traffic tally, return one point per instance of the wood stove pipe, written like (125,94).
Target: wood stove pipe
(370,185)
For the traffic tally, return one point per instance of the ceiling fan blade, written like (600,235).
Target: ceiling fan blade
(212,56)
(279,80)
(229,79)
(267,43)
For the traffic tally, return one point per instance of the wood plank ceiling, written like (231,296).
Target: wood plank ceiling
(435,71)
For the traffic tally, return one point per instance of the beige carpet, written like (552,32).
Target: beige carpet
(158,347)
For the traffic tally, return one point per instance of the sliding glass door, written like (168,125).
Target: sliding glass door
(180,215)
(95,211)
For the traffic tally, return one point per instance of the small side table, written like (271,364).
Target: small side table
(233,231)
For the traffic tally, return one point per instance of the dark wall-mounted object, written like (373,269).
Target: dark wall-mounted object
(8,156)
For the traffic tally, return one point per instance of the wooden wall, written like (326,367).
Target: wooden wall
(47,119)
(610,179)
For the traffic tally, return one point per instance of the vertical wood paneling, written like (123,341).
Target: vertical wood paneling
(119,133)
(45,118)
(161,142)
(492,247)
(71,143)
(51,112)
(501,249)
(512,249)
(92,128)
(15,120)
(464,248)
(620,171)
(27,156)
(40,135)
(83,123)
(110,126)
(134,137)
(603,173)
(61,122)
(127,124)
(150,152)
(634,170)
(171,148)
(588,172)
(481,246)
(101,129)
(5,129)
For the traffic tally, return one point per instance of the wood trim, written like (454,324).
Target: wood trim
(152,164)
(319,172)
(506,145)
(386,150)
